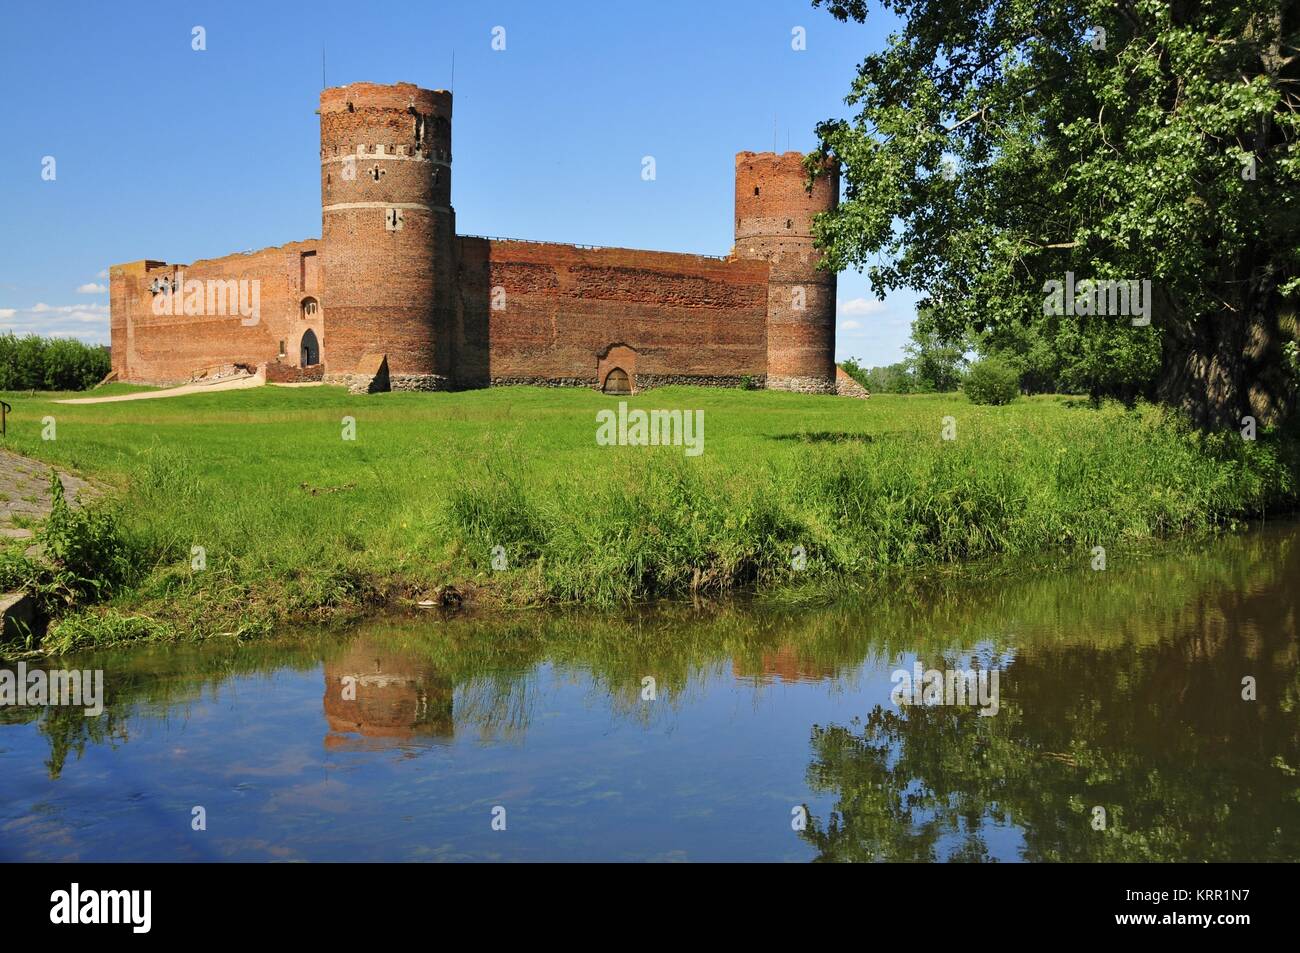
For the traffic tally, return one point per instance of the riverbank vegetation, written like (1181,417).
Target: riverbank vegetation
(242,510)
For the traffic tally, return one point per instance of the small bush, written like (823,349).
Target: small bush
(90,555)
(992,381)
(747,383)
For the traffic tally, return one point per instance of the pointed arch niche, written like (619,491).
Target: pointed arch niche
(616,357)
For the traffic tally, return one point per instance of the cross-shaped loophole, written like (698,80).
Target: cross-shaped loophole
(376,172)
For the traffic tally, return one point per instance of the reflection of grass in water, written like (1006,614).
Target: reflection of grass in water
(1129,609)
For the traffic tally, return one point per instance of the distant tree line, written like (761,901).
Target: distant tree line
(1048,354)
(32,362)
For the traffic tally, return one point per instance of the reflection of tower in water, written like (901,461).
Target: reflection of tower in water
(385,696)
(785,664)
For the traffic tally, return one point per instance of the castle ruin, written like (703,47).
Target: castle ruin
(391,297)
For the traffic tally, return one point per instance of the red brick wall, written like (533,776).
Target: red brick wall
(564,305)
(164,348)
(425,297)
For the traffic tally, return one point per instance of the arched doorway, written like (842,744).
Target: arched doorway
(617,382)
(310,349)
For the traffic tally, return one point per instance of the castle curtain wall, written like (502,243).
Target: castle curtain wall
(559,308)
(170,348)
(393,283)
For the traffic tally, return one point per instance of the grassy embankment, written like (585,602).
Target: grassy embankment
(298,524)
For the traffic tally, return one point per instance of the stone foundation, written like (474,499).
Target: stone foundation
(642,381)
(277,373)
(420,382)
(543,382)
(802,385)
(360,383)
(846,386)
(648,381)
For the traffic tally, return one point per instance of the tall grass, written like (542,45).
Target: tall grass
(857,508)
(298,524)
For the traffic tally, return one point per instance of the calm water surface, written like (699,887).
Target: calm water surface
(1119,689)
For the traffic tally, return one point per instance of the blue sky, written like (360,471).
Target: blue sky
(165,152)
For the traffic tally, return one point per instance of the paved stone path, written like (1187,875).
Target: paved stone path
(25,493)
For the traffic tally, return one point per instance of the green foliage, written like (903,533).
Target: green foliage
(86,631)
(1063,354)
(747,383)
(86,546)
(853,367)
(991,381)
(1167,153)
(36,363)
(934,362)
(891,379)
(82,558)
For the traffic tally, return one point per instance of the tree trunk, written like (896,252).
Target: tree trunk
(1229,364)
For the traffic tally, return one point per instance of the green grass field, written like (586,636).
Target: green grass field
(298,524)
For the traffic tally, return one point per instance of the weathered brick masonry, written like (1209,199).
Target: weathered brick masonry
(390,277)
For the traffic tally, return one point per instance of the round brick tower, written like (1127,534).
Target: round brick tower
(387,229)
(774,213)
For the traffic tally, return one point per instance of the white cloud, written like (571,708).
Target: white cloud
(850,325)
(87,322)
(102,273)
(92,288)
(860,306)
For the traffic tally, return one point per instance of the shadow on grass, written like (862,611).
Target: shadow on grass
(825,436)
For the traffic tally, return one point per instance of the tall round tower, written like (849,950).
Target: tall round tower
(387,229)
(774,213)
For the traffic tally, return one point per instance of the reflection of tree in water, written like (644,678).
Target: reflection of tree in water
(68,730)
(1101,706)
(161,683)
(1156,732)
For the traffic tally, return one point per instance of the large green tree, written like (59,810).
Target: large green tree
(999,144)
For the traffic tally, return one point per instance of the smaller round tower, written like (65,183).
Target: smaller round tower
(774,214)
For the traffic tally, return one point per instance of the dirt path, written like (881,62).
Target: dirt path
(234,383)
(25,493)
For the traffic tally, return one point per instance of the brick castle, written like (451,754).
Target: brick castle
(390,297)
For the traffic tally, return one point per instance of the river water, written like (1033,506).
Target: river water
(1150,711)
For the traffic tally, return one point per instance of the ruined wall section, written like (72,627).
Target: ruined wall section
(167,348)
(774,215)
(561,310)
(388,230)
